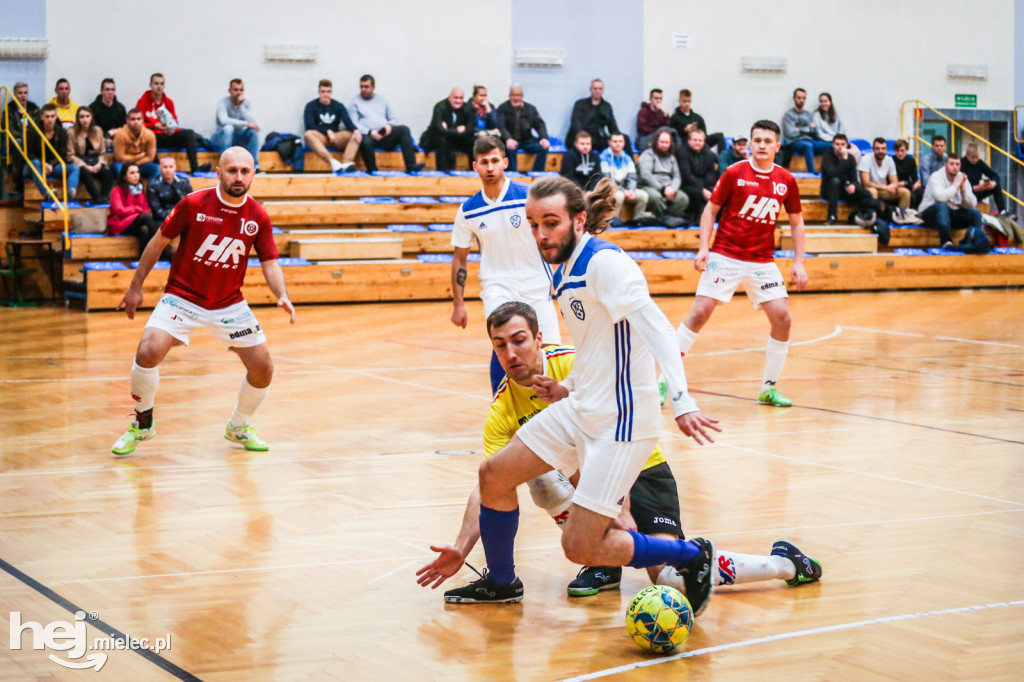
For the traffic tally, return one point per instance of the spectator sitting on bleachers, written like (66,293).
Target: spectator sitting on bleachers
(519,121)
(236,124)
(59,140)
(649,119)
(698,170)
(129,212)
(929,162)
(89,153)
(839,182)
(659,171)
(14,121)
(375,121)
(799,132)
(135,143)
(827,123)
(487,122)
(949,202)
(595,115)
(619,166)
(66,107)
(878,175)
(109,114)
(684,119)
(984,181)
(158,115)
(329,125)
(738,151)
(581,164)
(906,172)
(452,129)
(164,192)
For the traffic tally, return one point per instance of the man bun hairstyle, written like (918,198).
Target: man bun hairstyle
(487,144)
(501,315)
(599,205)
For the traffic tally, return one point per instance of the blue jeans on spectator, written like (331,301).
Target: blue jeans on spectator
(73,171)
(146,170)
(230,136)
(539,161)
(944,219)
(809,148)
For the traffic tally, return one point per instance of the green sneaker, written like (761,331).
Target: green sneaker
(245,435)
(774,398)
(662,390)
(125,445)
(808,570)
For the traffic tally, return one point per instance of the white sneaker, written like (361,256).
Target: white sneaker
(346,167)
(335,165)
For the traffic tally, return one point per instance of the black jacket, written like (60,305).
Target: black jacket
(108,118)
(518,123)
(844,169)
(163,196)
(445,113)
(34,146)
(679,121)
(599,121)
(585,171)
(906,170)
(14,116)
(974,171)
(698,169)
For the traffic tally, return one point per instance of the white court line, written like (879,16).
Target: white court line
(882,331)
(392,572)
(790,635)
(939,338)
(836,332)
(983,343)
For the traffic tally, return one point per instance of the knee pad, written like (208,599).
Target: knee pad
(551,490)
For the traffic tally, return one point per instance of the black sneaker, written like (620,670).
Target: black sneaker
(592,579)
(416,167)
(698,578)
(486,591)
(808,570)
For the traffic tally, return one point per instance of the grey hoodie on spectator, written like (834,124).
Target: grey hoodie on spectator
(659,172)
(796,125)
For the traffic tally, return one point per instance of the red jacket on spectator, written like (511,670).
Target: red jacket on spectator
(149,108)
(124,208)
(648,120)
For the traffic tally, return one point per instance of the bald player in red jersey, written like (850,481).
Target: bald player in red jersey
(750,194)
(218,227)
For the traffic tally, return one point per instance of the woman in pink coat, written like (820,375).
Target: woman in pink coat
(129,211)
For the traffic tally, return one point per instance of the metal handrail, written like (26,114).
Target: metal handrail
(1016,127)
(5,129)
(920,104)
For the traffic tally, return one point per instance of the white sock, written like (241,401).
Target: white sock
(775,357)
(733,568)
(686,338)
(145,381)
(560,513)
(335,164)
(249,398)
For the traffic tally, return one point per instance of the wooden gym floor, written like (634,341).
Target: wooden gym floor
(899,467)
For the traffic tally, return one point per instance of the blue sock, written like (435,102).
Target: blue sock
(498,533)
(497,373)
(649,551)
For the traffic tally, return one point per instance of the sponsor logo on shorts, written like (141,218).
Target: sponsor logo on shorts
(576,306)
(621,501)
(665,520)
(174,303)
(726,570)
(248,331)
(770,285)
(516,220)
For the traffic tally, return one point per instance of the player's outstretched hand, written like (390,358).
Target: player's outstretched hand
(131,301)
(548,390)
(696,425)
(701,261)
(799,276)
(460,317)
(287,306)
(447,564)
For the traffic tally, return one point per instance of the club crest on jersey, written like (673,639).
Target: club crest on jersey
(576,306)
(515,220)
(250,227)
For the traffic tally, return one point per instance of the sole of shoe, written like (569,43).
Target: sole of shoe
(590,591)
(771,404)
(470,600)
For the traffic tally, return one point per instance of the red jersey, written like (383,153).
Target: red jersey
(750,201)
(149,108)
(209,266)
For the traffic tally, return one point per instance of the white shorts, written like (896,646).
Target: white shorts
(763,281)
(494,295)
(608,468)
(235,326)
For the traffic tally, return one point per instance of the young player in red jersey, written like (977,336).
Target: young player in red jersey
(218,227)
(750,194)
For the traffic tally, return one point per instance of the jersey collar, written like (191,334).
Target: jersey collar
(221,198)
(501,195)
(568,265)
(758,170)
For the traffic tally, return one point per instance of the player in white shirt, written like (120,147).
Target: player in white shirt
(605,418)
(511,269)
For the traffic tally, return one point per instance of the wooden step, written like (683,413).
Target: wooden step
(346,249)
(835,243)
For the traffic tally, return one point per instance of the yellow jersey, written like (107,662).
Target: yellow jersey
(514,405)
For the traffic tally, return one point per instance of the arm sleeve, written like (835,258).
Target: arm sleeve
(677,177)
(539,126)
(656,332)
(790,131)
(353,113)
(970,200)
(793,203)
(462,231)
(265,247)
(723,190)
(389,115)
(153,198)
(309,117)
(497,432)
(346,120)
(618,283)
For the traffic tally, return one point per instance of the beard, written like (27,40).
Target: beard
(563,250)
(236,190)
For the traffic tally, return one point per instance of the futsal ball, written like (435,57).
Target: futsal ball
(659,618)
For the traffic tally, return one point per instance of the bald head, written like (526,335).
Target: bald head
(457,98)
(235,170)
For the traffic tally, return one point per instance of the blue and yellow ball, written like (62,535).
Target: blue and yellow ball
(659,618)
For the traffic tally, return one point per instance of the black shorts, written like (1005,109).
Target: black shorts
(654,501)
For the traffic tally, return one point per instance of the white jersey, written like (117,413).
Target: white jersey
(615,386)
(509,258)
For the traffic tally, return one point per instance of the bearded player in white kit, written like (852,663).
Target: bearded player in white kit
(218,227)
(510,267)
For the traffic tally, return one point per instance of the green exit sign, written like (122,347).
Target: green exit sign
(966,101)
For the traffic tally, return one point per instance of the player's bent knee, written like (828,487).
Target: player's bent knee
(550,490)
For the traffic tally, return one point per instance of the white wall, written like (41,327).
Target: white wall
(869,54)
(417,51)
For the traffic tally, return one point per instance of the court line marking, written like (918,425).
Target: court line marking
(790,635)
(834,333)
(939,338)
(982,343)
(390,573)
(882,331)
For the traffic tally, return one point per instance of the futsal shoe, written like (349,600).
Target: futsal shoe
(808,570)
(698,577)
(486,591)
(125,445)
(593,579)
(772,397)
(246,435)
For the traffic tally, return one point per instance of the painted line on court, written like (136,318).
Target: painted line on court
(882,331)
(835,332)
(72,608)
(791,635)
(982,343)
(390,573)
(939,338)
